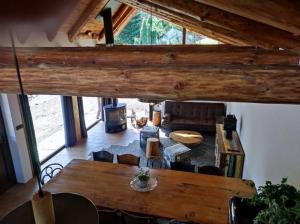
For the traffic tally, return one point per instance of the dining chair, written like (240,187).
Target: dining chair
(68,208)
(103,156)
(49,172)
(74,208)
(156,162)
(210,170)
(133,218)
(23,212)
(108,216)
(128,159)
(180,166)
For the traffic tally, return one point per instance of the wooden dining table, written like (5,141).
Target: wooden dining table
(179,195)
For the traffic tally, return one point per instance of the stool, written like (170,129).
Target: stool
(152,147)
(148,132)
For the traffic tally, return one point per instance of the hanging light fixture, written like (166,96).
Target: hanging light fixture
(28,125)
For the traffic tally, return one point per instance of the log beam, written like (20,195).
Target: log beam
(258,34)
(283,14)
(219,73)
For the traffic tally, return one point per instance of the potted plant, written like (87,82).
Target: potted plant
(274,203)
(143,178)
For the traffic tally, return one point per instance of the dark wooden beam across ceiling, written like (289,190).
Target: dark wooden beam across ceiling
(255,33)
(219,73)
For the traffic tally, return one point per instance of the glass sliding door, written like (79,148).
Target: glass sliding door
(92,110)
(48,123)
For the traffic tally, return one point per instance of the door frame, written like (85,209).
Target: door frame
(6,154)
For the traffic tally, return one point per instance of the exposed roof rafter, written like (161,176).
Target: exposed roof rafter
(283,14)
(120,19)
(255,33)
(90,12)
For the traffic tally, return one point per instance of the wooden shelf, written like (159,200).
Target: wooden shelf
(229,153)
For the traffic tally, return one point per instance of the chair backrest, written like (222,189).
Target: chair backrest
(74,208)
(210,170)
(68,208)
(129,218)
(128,159)
(50,171)
(156,162)
(108,216)
(180,166)
(23,212)
(103,156)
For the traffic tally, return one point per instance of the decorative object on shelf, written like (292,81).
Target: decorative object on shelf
(143,182)
(229,153)
(148,132)
(274,203)
(141,122)
(230,125)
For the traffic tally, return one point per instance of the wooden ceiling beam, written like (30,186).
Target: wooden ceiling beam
(120,19)
(220,73)
(90,12)
(258,34)
(211,31)
(283,14)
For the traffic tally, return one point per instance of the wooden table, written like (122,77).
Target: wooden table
(186,137)
(179,195)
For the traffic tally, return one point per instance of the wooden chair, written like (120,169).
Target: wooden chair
(132,218)
(180,166)
(128,159)
(23,212)
(50,171)
(210,170)
(108,216)
(68,208)
(156,162)
(103,156)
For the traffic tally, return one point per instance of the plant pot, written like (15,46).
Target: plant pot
(143,184)
(240,212)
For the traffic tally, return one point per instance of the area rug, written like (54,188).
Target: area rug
(201,155)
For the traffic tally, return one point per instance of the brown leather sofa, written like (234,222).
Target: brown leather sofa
(196,116)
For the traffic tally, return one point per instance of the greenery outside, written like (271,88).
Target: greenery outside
(145,29)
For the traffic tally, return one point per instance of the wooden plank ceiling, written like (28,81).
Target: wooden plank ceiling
(221,22)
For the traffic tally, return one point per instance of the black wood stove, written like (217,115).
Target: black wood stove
(115,117)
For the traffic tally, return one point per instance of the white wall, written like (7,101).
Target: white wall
(270,135)
(16,138)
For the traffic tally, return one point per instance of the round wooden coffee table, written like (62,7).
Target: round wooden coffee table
(186,137)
